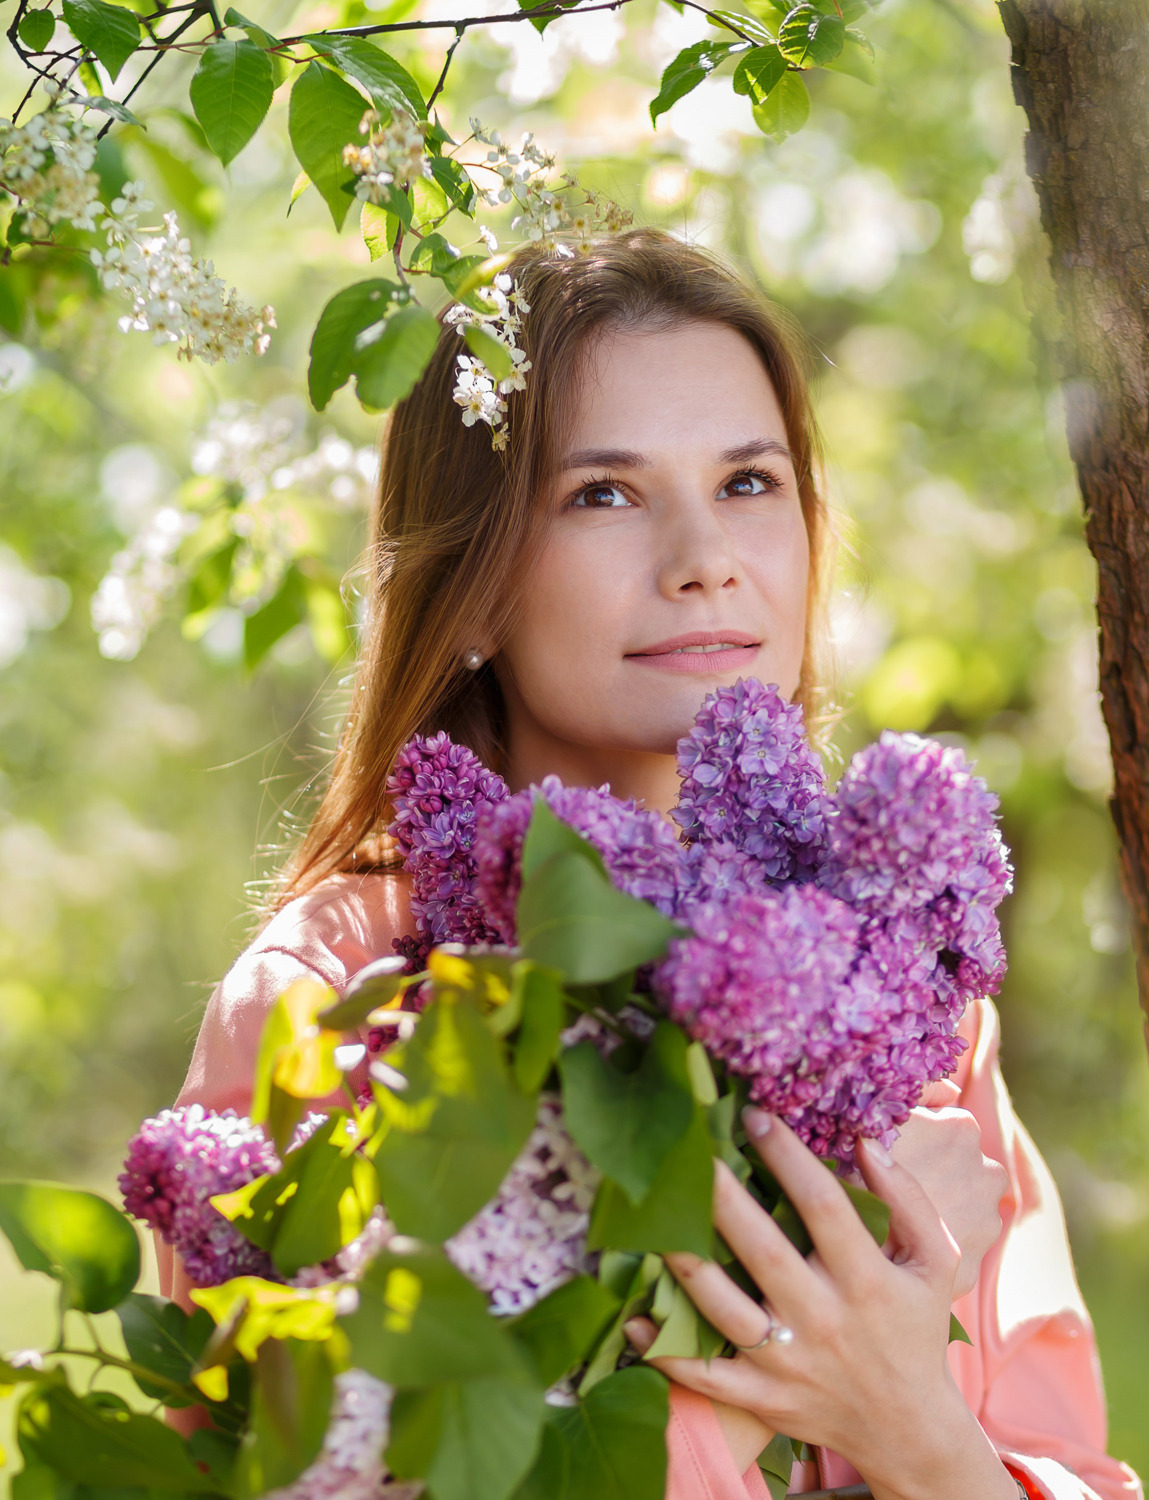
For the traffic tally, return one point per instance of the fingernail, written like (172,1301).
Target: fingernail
(878,1153)
(756,1120)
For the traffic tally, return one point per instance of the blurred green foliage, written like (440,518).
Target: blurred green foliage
(141,801)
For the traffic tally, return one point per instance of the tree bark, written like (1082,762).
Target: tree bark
(1081,73)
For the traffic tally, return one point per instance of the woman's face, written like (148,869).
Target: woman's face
(675,561)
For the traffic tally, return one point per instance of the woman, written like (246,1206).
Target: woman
(653,529)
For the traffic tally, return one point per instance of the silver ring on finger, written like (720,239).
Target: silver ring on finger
(776,1333)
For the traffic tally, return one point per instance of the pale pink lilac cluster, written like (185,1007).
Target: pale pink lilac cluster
(638,847)
(532,1236)
(437,791)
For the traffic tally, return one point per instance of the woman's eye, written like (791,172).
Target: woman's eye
(600,497)
(753,483)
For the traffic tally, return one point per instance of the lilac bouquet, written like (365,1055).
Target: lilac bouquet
(577,962)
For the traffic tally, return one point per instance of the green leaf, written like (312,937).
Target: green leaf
(560,1330)
(334,356)
(958,1333)
(484,346)
(547,835)
(36,28)
(874,1214)
(571,918)
(159,1335)
(231,93)
(286,608)
(420,1321)
(541,23)
(455,182)
(611,1446)
(785,110)
(388,366)
(457,1126)
(856,58)
(633,1278)
(280,63)
(543,1012)
(379,229)
(299,1213)
(811,38)
(470,1440)
(114,108)
(77,1237)
(95,1440)
(758,72)
(676,1212)
(109,31)
(684,1333)
(628,1123)
(296,1059)
(324,116)
(433,253)
(375,985)
(690,68)
(390,85)
(289,1415)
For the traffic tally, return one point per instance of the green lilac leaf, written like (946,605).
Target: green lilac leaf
(542,1013)
(161,1337)
(470,1440)
(289,1415)
(387,369)
(547,835)
(36,28)
(74,1236)
(571,918)
(690,68)
(231,92)
(333,353)
(785,110)
(390,85)
(110,31)
(286,608)
(420,1322)
(611,1446)
(874,1214)
(375,985)
(457,1126)
(810,38)
(95,1440)
(958,1333)
(684,1332)
(561,1329)
(628,1123)
(324,116)
(674,1215)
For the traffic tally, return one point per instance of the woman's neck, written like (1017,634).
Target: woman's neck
(649,778)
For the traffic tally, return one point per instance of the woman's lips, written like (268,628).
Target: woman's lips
(709,652)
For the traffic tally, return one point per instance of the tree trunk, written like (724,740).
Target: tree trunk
(1081,73)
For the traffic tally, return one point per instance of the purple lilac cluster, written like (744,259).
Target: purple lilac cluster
(438,790)
(176,1162)
(753,792)
(638,847)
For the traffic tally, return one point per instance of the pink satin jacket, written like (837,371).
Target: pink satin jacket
(1031,1375)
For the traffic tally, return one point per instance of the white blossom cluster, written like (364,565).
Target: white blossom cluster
(393,154)
(139,580)
(482,396)
(544,212)
(175,297)
(257,450)
(532,1236)
(48,164)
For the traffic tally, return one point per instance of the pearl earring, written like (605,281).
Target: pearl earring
(473,659)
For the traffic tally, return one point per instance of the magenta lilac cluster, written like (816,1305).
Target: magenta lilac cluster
(176,1162)
(438,791)
(638,848)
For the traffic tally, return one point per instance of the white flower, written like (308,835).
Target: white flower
(393,155)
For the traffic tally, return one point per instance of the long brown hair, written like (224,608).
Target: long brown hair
(456,521)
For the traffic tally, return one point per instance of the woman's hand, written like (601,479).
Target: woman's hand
(941,1147)
(865,1372)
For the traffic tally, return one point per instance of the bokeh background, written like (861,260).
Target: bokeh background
(146,797)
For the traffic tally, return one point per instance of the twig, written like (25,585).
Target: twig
(438,89)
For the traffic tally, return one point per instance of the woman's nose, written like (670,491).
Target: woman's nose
(695,555)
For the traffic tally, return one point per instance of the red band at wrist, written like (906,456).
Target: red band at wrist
(1024,1485)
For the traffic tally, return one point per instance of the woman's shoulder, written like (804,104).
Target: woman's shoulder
(329,933)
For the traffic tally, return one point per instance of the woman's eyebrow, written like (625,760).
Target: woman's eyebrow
(627,458)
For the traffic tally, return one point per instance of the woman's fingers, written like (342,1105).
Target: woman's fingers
(719,1300)
(919,1236)
(759,1243)
(939,1095)
(843,1242)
